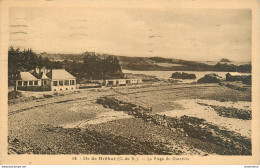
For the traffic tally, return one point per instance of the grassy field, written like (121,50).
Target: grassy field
(73,122)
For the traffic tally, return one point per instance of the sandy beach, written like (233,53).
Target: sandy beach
(73,122)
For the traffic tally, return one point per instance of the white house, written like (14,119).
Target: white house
(61,80)
(121,82)
(54,80)
(26,80)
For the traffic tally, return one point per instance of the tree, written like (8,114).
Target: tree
(66,64)
(111,66)
(92,65)
(14,62)
(40,62)
(47,63)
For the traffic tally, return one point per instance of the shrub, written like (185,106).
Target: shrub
(34,88)
(14,95)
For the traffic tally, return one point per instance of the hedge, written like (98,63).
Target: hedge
(34,88)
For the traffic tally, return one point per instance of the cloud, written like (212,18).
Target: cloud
(192,34)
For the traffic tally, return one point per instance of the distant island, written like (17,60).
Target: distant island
(225,60)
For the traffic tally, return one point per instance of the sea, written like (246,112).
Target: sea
(168,74)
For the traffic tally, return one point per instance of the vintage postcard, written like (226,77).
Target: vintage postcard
(129,82)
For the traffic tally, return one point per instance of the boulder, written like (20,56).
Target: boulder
(210,78)
(183,75)
(248,80)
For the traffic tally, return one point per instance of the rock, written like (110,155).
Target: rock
(210,78)
(248,80)
(16,140)
(183,75)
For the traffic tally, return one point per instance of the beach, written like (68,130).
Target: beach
(75,122)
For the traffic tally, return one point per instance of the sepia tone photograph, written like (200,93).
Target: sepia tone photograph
(129,81)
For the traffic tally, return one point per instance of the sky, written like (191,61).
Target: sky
(189,34)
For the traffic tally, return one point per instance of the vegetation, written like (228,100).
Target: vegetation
(14,95)
(26,60)
(149,63)
(34,88)
(92,66)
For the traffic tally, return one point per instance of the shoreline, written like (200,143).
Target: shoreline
(71,117)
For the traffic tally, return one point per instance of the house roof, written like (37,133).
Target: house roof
(26,76)
(59,74)
(40,75)
(43,76)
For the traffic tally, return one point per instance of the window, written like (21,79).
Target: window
(30,83)
(72,82)
(66,82)
(61,82)
(55,83)
(66,88)
(44,82)
(54,89)
(20,83)
(35,82)
(25,83)
(60,88)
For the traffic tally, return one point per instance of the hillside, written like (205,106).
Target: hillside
(62,57)
(159,63)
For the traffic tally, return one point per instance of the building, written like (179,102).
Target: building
(115,82)
(61,80)
(45,81)
(54,80)
(26,81)
(121,82)
(135,81)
